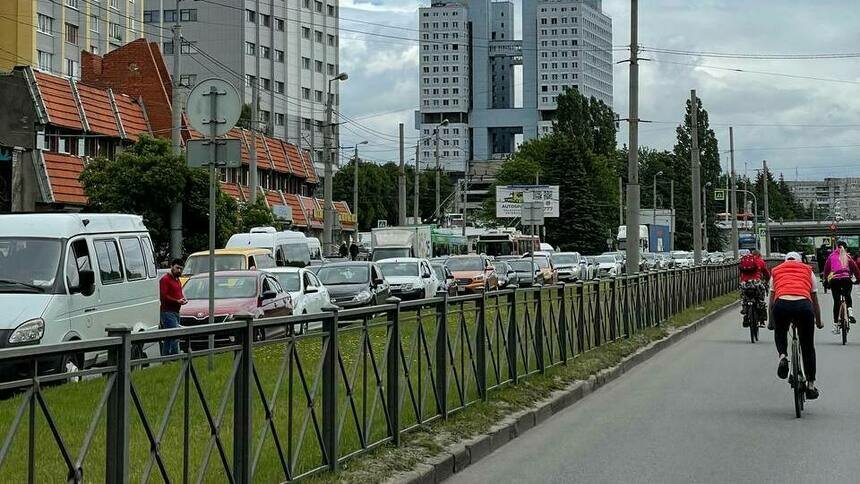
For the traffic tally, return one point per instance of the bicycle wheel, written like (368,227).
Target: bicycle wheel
(795,378)
(844,325)
(753,331)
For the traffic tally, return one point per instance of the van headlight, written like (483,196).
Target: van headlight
(362,297)
(28,331)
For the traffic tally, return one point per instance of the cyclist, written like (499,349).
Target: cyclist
(753,270)
(794,300)
(837,272)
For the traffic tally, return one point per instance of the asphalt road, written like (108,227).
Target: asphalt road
(708,409)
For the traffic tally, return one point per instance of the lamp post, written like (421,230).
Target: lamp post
(705,216)
(755,210)
(438,169)
(654,214)
(355,186)
(328,212)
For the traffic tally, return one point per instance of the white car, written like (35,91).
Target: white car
(410,278)
(608,265)
(309,295)
(681,258)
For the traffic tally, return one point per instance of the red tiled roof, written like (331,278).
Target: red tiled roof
(63,173)
(311,205)
(295,204)
(132,116)
(308,163)
(278,154)
(274,198)
(56,93)
(98,110)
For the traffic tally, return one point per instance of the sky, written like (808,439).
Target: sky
(806,126)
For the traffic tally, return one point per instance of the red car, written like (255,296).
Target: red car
(236,292)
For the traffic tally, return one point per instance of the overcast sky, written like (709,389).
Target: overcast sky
(803,127)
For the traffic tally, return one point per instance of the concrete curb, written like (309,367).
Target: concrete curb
(460,455)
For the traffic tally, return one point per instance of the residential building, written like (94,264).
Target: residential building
(289,48)
(468,56)
(830,198)
(51,34)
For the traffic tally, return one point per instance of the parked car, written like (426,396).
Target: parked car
(621,257)
(507,276)
(568,264)
(528,273)
(664,260)
(681,259)
(289,248)
(474,273)
(354,284)
(549,275)
(546,247)
(589,268)
(409,278)
(447,281)
(67,277)
(253,292)
(227,260)
(308,294)
(608,265)
(650,261)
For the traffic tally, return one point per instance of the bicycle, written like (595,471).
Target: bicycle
(796,379)
(842,320)
(750,301)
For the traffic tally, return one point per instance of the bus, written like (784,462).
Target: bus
(505,242)
(445,242)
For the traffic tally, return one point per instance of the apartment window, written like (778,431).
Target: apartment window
(279,24)
(318,36)
(279,87)
(94,23)
(331,11)
(251,16)
(331,40)
(94,49)
(279,119)
(306,123)
(306,63)
(318,66)
(331,69)
(265,116)
(267,84)
(71,34)
(250,80)
(151,16)
(188,80)
(167,47)
(250,48)
(170,16)
(188,15)
(306,93)
(266,20)
(46,60)
(265,52)
(73,68)
(318,96)
(46,24)
(115,31)
(306,33)
(279,55)
(114,4)
(72,3)
(318,6)
(306,3)
(189,47)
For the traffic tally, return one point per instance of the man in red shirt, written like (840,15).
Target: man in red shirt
(753,270)
(170,291)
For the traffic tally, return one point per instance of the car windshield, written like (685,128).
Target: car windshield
(28,264)
(198,264)
(296,254)
(680,255)
(502,267)
(289,281)
(605,259)
(440,271)
(332,276)
(458,264)
(226,287)
(390,253)
(399,269)
(542,262)
(521,265)
(565,259)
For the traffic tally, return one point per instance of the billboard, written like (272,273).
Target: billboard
(510,198)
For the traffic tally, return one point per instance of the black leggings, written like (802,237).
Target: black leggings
(800,313)
(840,287)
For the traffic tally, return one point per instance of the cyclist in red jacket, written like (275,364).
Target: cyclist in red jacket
(753,277)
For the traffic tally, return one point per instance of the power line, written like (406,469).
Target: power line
(726,55)
(764,73)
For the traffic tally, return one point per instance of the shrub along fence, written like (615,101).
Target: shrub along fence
(291,406)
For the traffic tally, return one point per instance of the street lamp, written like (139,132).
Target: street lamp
(355,186)
(654,215)
(438,168)
(705,215)
(328,212)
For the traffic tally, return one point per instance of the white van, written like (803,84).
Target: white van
(289,248)
(316,249)
(69,276)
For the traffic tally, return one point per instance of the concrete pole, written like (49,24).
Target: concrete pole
(620,201)
(672,222)
(176,139)
(401,183)
(253,175)
(733,200)
(766,209)
(437,213)
(416,212)
(465,194)
(633,154)
(696,178)
(705,216)
(328,174)
(654,197)
(355,188)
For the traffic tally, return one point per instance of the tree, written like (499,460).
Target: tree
(257,214)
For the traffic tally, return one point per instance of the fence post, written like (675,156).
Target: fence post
(392,371)
(117,420)
(539,332)
(598,315)
(329,390)
(481,346)
(562,324)
(242,418)
(513,370)
(442,356)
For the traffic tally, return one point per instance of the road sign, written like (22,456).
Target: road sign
(509,199)
(719,195)
(199,105)
(283,212)
(381,224)
(762,231)
(833,227)
(532,213)
(228,152)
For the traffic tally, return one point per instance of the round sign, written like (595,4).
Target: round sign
(199,106)
(832,226)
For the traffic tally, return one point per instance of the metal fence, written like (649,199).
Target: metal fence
(291,406)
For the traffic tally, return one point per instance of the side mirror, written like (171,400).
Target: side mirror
(378,281)
(268,295)
(311,290)
(86,283)
(426,275)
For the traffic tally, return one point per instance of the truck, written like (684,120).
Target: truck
(652,238)
(412,241)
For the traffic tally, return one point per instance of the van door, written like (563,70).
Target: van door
(139,298)
(113,292)
(81,308)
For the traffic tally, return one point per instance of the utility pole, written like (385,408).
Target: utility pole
(401,183)
(415,205)
(465,194)
(437,213)
(328,210)
(176,138)
(253,179)
(765,183)
(705,216)
(620,201)
(733,201)
(355,188)
(672,222)
(696,179)
(633,154)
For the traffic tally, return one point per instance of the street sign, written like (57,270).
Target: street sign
(532,213)
(381,224)
(762,231)
(509,199)
(283,212)
(833,227)
(720,195)
(199,105)
(228,152)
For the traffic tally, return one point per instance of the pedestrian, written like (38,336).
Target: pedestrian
(353,251)
(172,298)
(344,251)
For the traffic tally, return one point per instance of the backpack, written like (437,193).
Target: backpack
(748,264)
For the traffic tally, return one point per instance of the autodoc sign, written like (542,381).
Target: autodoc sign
(509,199)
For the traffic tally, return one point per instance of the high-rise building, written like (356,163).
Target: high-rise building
(289,47)
(831,198)
(468,57)
(50,34)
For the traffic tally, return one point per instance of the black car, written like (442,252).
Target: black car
(447,281)
(354,284)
